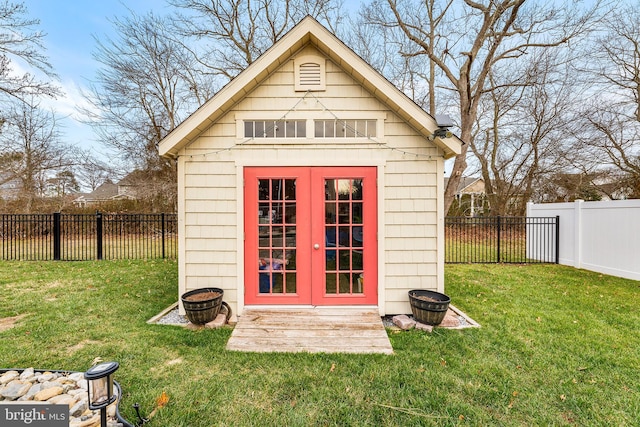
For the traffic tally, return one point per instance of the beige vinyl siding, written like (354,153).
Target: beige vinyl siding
(210,222)
(411,228)
(212,201)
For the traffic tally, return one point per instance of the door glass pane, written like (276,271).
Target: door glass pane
(263,189)
(344,216)
(330,283)
(290,237)
(277,188)
(344,236)
(290,287)
(330,213)
(277,283)
(344,285)
(289,213)
(358,237)
(344,189)
(276,242)
(356,212)
(356,189)
(290,189)
(330,237)
(344,260)
(330,192)
(290,271)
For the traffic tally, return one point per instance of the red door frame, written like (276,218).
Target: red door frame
(310,225)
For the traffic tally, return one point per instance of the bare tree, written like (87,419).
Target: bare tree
(611,128)
(614,138)
(521,129)
(409,72)
(91,171)
(148,82)
(31,150)
(232,34)
(472,39)
(19,41)
(140,92)
(568,187)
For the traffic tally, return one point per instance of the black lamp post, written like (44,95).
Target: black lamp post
(100,388)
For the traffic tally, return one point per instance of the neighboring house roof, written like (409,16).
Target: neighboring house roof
(308,31)
(110,191)
(468,185)
(105,191)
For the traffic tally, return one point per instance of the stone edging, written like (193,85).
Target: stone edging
(57,387)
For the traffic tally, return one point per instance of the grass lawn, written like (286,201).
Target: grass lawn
(557,346)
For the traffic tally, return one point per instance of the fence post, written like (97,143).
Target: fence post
(56,236)
(163,232)
(557,239)
(577,237)
(499,238)
(98,235)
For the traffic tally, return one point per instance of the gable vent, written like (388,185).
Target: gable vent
(310,73)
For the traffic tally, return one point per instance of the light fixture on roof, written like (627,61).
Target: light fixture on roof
(444,122)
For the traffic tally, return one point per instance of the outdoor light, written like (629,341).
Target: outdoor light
(100,388)
(444,122)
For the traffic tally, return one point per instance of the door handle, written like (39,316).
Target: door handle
(316,246)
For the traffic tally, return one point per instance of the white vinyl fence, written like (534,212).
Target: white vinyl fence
(597,236)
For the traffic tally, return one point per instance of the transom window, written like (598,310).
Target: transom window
(345,128)
(275,129)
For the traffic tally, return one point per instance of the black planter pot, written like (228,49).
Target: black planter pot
(203,311)
(428,307)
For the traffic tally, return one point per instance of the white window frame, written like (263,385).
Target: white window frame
(310,116)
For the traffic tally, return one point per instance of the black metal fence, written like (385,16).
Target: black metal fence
(80,237)
(502,240)
(100,236)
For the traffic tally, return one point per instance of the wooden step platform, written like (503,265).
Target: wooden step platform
(313,330)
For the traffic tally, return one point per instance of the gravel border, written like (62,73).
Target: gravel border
(173,317)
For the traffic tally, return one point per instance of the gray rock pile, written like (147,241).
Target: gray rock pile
(58,389)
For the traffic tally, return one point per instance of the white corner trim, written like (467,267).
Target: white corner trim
(240,238)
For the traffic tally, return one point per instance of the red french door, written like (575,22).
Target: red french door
(310,235)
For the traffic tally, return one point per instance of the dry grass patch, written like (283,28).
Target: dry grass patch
(82,344)
(7,323)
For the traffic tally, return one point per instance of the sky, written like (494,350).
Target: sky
(70,27)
